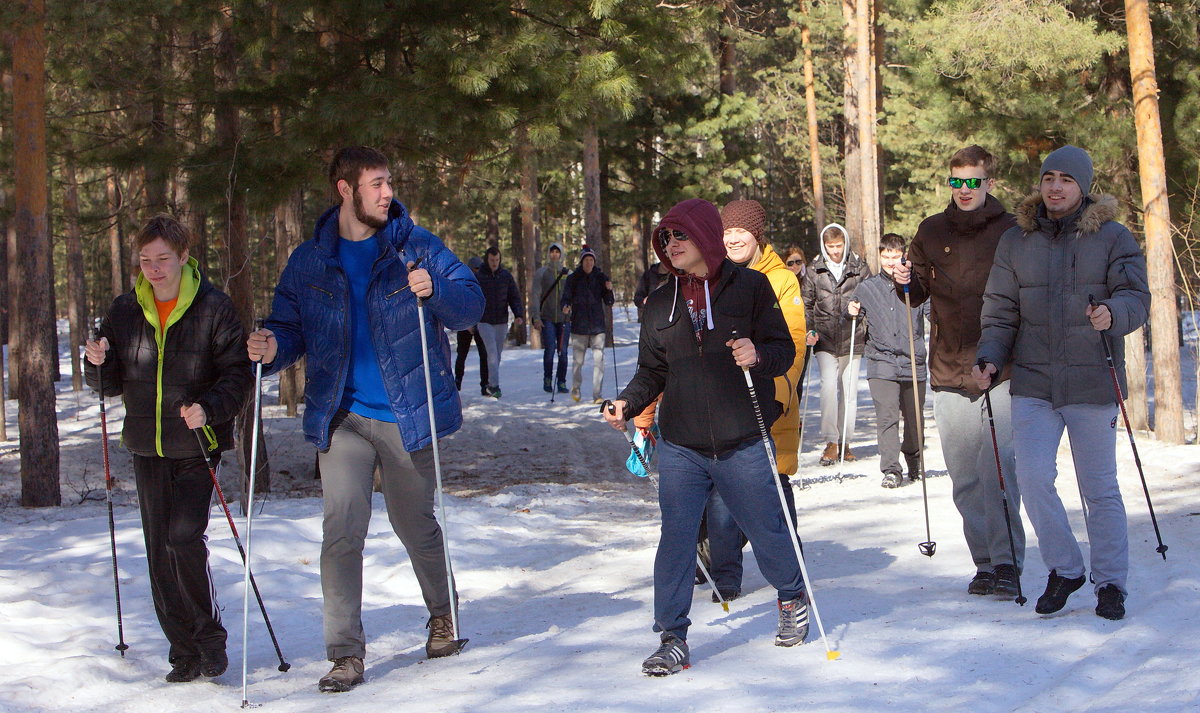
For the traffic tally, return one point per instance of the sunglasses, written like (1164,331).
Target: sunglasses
(666,235)
(971,183)
(794,262)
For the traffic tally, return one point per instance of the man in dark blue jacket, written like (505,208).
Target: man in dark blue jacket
(500,294)
(348,301)
(587,294)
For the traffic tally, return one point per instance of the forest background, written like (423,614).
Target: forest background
(520,122)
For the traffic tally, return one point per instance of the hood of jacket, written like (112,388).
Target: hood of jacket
(1097,209)
(845,252)
(970,222)
(701,221)
(190,284)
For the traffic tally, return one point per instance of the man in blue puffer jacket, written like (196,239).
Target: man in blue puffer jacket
(348,301)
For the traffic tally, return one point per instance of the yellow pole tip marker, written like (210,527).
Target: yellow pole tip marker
(833,655)
(725,606)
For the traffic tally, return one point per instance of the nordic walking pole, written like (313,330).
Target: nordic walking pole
(846,396)
(1012,547)
(212,472)
(108,486)
(804,388)
(830,653)
(608,406)
(258,324)
(437,469)
(928,547)
(1112,370)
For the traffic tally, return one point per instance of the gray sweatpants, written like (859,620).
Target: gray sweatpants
(835,400)
(347,477)
(580,343)
(1091,429)
(893,398)
(967,448)
(493,336)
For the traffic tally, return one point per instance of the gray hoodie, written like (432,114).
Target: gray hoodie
(548,284)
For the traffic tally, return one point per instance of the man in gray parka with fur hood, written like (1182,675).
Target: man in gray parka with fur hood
(1065,249)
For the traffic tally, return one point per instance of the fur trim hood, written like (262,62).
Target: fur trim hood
(1098,209)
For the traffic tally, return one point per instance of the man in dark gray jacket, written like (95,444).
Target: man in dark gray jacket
(1038,316)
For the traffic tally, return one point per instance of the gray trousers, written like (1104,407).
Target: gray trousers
(835,400)
(967,448)
(347,478)
(893,398)
(1091,428)
(580,343)
(493,336)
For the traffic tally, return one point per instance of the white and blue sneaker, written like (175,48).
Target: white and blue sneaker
(671,657)
(793,621)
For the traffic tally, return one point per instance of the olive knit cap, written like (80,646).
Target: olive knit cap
(747,215)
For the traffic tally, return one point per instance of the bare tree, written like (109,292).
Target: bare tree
(37,412)
(1168,391)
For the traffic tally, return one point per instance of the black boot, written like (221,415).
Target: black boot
(1057,590)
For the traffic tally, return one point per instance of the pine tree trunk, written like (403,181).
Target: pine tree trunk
(287,237)
(115,249)
(1135,378)
(37,412)
(492,232)
(868,239)
(13,301)
(1160,262)
(810,104)
(530,218)
(851,158)
(77,315)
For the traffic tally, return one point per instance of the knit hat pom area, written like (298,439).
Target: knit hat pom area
(747,215)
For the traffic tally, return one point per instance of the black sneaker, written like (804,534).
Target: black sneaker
(562,387)
(213,663)
(671,657)
(1110,602)
(547,385)
(184,669)
(793,621)
(983,583)
(1057,590)
(726,594)
(1005,578)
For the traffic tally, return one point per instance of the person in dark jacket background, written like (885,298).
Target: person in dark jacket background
(1037,315)
(890,362)
(828,285)
(710,435)
(653,278)
(172,348)
(365,396)
(951,256)
(587,294)
(500,294)
(463,339)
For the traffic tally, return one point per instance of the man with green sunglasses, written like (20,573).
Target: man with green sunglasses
(948,263)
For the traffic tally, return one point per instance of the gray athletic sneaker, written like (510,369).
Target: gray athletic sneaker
(672,657)
(347,672)
(793,621)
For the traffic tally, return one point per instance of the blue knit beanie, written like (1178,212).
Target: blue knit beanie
(1072,161)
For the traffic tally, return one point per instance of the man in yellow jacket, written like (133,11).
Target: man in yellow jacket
(746,245)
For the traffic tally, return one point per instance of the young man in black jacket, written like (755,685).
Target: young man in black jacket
(500,294)
(710,435)
(587,293)
(173,348)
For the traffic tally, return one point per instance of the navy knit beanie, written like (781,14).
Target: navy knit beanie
(1072,161)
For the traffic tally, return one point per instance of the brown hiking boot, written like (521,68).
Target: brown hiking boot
(441,640)
(347,672)
(849,455)
(830,456)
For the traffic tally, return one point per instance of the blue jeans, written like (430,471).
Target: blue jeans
(743,477)
(726,539)
(556,337)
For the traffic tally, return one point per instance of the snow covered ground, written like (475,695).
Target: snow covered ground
(553,544)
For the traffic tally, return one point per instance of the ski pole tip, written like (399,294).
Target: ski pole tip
(833,655)
(284,667)
(725,606)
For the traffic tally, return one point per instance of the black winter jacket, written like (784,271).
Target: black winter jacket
(825,302)
(202,359)
(887,352)
(705,403)
(587,297)
(499,293)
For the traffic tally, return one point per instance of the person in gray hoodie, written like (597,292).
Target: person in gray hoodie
(889,364)
(1067,271)
(550,320)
